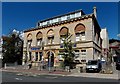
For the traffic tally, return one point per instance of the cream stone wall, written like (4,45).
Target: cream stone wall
(88,44)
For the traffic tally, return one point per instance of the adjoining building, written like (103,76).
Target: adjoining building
(1,57)
(105,44)
(114,48)
(45,39)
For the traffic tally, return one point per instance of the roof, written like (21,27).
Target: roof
(113,40)
(80,10)
(57,23)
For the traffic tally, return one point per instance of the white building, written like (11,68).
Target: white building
(1,52)
(105,42)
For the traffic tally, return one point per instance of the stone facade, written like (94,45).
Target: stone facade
(1,52)
(105,43)
(85,31)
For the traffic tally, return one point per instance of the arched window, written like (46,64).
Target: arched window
(29,39)
(80,32)
(39,37)
(50,36)
(63,33)
(50,58)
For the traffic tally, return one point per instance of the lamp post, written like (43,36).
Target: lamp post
(50,62)
(25,58)
(42,54)
(50,54)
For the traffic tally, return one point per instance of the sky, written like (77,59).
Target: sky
(24,15)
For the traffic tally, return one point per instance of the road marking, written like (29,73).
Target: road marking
(18,78)
(52,77)
(19,74)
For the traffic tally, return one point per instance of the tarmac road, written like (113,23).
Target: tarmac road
(15,77)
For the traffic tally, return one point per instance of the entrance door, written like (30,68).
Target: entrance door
(50,59)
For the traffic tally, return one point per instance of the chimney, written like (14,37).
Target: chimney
(95,11)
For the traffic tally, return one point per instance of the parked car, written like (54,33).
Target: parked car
(118,64)
(93,65)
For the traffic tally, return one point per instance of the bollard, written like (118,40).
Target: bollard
(5,66)
(81,69)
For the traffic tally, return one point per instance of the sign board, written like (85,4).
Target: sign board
(34,48)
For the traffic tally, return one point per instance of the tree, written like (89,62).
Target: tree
(67,54)
(12,48)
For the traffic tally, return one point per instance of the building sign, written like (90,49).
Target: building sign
(34,48)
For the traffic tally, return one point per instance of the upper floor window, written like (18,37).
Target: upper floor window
(80,32)
(82,35)
(63,18)
(78,14)
(50,40)
(63,34)
(29,43)
(39,42)
(29,40)
(68,17)
(50,36)
(62,38)
(72,16)
(77,37)
(39,38)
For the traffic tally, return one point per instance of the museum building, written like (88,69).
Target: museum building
(45,39)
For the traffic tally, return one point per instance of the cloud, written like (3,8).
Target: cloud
(21,35)
(15,31)
(118,35)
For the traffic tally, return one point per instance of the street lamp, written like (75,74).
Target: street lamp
(42,53)
(50,54)
(50,62)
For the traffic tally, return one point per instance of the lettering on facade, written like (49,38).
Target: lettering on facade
(33,48)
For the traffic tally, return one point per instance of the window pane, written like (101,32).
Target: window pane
(77,14)
(63,18)
(40,56)
(82,37)
(36,56)
(30,57)
(82,33)
(72,16)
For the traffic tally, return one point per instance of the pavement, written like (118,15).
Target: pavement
(22,71)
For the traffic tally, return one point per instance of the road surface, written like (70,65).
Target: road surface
(17,77)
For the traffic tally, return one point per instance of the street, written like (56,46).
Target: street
(16,77)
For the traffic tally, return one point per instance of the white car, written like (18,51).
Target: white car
(93,65)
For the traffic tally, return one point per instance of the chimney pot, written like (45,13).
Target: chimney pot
(95,11)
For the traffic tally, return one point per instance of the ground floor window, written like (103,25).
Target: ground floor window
(40,56)
(83,55)
(36,56)
(77,53)
(77,37)
(83,60)
(50,59)
(30,56)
